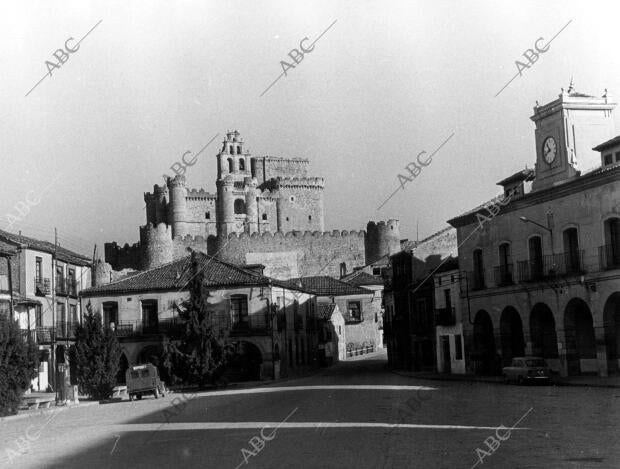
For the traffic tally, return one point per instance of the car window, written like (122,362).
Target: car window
(144,373)
(538,362)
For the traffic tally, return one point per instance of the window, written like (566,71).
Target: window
(458,346)
(343,269)
(231,150)
(38,316)
(608,159)
(239,311)
(38,272)
(536,258)
(239,207)
(230,165)
(239,151)
(286,218)
(571,250)
(150,320)
(618,157)
(264,216)
(309,217)
(290,352)
(110,313)
(612,242)
(376,271)
(61,319)
(71,285)
(208,215)
(241,163)
(478,270)
(505,265)
(5,309)
(447,300)
(355,310)
(73,316)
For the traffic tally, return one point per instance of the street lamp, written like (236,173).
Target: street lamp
(527,220)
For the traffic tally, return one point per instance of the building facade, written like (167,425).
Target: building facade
(273,326)
(47,281)
(543,272)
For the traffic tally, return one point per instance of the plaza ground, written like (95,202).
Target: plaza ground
(357,414)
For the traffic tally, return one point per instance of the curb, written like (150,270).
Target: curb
(27,414)
(470,379)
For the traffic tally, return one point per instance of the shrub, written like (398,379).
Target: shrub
(95,357)
(17,366)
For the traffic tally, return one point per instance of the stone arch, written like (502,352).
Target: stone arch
(611,324)
(580,339)
(484,356)
(123,365)
(542,332)
(245,362)
(511,334)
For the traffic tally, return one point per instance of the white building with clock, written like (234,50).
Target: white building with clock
(543,276)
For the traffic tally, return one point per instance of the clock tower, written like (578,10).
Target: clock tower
(566,131)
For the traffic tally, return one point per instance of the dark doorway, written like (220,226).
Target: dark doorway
(511,333)
(580,339)
(542,331)
(611,320)
(445,347)
(483,356)
(150,321)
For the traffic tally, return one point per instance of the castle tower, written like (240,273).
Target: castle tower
(226,222)
(156,205)
(232,159)
(101,273)
(177,207)
(251,204)
(382,239)
(157,245)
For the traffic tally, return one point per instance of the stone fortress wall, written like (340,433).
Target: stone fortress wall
(263,205)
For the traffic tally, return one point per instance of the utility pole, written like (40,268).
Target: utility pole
(53,283)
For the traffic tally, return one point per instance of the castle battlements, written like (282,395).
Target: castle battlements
(200,194)
(306,182)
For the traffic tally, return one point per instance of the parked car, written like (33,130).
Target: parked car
(144,379)
(527,369)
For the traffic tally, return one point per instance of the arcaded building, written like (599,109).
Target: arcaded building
(543,272)
(267,210)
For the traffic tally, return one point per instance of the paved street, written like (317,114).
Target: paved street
(341,417)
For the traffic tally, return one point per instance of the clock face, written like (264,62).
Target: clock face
(550,149)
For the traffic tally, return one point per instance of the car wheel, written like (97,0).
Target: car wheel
(139,396)
(156,393)
(131,397)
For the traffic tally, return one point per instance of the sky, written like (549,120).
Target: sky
(387,80)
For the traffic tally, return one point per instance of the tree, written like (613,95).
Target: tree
(96,357)
(199,355)
(17,366)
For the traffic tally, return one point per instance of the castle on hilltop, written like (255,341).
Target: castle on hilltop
(267,210)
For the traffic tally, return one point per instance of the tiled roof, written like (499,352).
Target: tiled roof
(327,286)
(607,144)
(6,249)
(45,246)
(361,278)
(177,275)
(326,310)
(526,174)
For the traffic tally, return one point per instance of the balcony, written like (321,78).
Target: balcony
(61,286)
(65,330)
(503,275)
(562,264)
(609,256)
(169,326)
(29,336)
(445,316)
(44,335)
(476,280)
(42,286)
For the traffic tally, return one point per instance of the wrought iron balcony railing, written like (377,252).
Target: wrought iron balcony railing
(503,275)
(42,286)
(609,256)
(549,266)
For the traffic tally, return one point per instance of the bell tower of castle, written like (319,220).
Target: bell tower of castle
(234,183)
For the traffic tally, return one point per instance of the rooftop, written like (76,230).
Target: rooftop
(360,278)
(177,275)
(44,246)
(328,286)
(609,143)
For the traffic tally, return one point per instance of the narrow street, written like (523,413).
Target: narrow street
(340,417)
